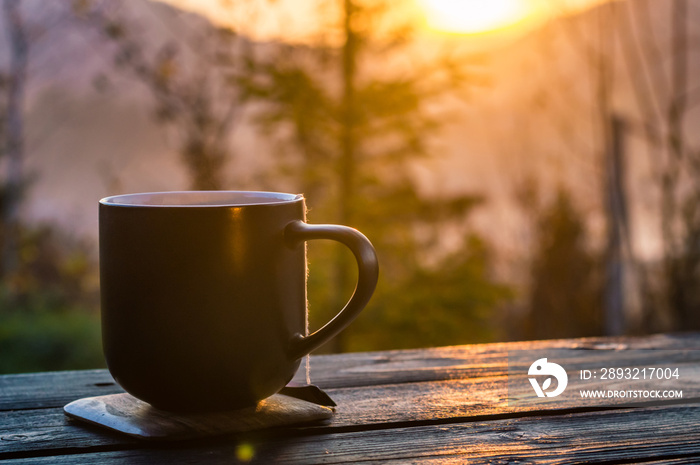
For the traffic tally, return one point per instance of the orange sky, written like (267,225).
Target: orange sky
(295,19)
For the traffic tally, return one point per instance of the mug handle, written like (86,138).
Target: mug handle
(368,273)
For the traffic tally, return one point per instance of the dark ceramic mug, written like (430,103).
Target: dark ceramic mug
(204,294)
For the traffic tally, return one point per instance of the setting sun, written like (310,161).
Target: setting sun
(472,16)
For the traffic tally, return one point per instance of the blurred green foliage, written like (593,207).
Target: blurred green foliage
(49,305)
(452,303)
(45,339)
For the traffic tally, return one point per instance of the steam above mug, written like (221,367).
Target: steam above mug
(204,294)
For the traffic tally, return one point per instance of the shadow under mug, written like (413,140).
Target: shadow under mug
(204,294)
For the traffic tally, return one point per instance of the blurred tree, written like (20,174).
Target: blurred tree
(23,35)
(639,60)
(189,78)
(358,107)
(48,285)
(355,116)
(14,81)
(566,291)
(449,304)
(662,89)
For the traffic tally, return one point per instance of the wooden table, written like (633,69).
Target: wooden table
(433,405)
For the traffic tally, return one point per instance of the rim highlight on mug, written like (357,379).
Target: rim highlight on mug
(200,199)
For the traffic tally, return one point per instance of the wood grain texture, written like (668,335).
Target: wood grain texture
(55,389)
(387,402)
(381,406)
(654,434)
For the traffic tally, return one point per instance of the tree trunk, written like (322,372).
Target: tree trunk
(618,228)
(347,163)
(679,251)
(14,143)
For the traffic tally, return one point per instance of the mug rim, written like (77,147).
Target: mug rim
(198,199)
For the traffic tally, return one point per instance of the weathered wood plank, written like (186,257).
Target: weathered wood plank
(53,389)
(467,361)
(653,434)
(357,407)
(403,392)
(361,407)
(44,390)
(40,431)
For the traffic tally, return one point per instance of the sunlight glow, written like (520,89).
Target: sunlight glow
(473,16)
(298,20)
